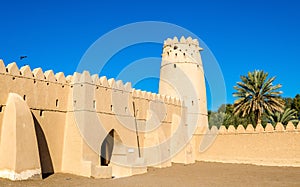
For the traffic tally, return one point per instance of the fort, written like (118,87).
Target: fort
(90,126)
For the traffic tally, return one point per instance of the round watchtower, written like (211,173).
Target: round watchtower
(182,75)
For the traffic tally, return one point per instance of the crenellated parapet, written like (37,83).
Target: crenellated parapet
(269,128)
(46,91)
(185,50)
(36,74)
(41,90)
(136,93)
(182,40)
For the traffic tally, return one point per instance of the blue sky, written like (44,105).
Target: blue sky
(243,35)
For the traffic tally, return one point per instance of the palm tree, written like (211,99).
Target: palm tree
(256,94)
(284,117)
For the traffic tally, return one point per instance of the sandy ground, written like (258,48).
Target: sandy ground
(198,174)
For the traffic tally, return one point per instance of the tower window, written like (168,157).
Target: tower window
(175,54)
(174,65)
(24,97)
(56,102)
(192,103)
(168,53)
(175,47)
(183,54)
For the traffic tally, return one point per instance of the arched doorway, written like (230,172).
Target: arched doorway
(107,148)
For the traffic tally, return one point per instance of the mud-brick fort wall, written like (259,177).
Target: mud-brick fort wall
(47,97)
(58,103)
(279,146)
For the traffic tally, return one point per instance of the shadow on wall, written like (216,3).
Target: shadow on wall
(107,148)
(45,158)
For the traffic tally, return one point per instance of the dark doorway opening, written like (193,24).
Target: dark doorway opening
(107,148)
(45,158)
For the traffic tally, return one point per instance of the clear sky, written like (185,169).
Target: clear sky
(243,35)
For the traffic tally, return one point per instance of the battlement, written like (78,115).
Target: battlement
(183,40)
(36,74)
(48,91)
(185,50)
(269,128)
(155,97)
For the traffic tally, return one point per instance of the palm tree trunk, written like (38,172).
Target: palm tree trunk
(258,117)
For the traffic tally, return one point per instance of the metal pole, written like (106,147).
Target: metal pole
(136,130)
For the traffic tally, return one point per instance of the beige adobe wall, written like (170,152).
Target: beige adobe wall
(99,103)
(19,155)
(108,104)
(155,123)
(260,146)
(40,90)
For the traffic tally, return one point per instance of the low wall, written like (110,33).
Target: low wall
(279,146)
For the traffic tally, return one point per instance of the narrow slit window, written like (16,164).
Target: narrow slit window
(56,102)
(94,104)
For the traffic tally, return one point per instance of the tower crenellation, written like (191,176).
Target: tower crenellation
(183,50)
